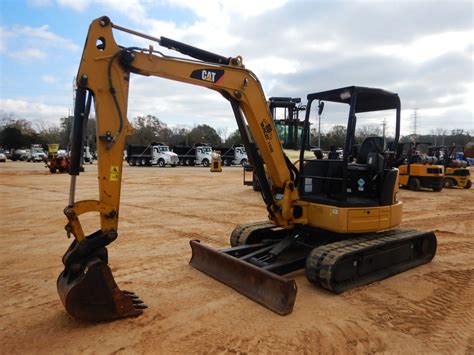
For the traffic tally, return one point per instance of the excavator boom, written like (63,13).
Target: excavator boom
(103,77)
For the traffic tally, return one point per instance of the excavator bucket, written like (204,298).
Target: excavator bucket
(92,294)
(270,290)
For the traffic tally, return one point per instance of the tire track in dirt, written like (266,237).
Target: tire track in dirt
(455,247)
(35,188)
(441,217)
(165,211)
(23,293)
(442,320)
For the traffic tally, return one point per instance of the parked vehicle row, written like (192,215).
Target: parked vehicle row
(152,154)
(197,154)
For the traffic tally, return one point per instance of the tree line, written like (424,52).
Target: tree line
(440,137)
(19,133)
(16,133)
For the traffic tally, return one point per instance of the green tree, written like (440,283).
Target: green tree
(370,130)
(12,138)
(336,136)
(204,134)
(234,138)
(149,129)
(179,136)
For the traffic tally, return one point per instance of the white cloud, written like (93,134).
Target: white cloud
(34,110)
(31,43)
(132,8)
(40,3)
(28,54)
(43,33)
(429,47)
(272,65)
(80,5)
(209,9)
(5,36)
(49,79)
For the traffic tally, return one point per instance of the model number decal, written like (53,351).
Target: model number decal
(267,132)
(210,75)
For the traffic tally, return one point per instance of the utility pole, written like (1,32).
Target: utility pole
(320,112)
(414,116)
(319,132)
(384,124)
(73,93)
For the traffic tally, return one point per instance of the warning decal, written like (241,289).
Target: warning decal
(114,173)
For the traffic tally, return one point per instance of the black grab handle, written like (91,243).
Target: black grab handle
(194,52)
(78,131)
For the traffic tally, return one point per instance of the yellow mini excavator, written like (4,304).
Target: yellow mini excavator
(337,219)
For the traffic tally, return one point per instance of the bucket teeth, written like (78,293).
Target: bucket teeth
(140,306)
(93,295)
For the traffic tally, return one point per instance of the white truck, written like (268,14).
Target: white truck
(152,154)
(36,153)
(198,154)
(235,155)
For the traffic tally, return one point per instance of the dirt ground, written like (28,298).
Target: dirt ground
(427,309)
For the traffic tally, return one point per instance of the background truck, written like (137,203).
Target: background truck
(36,153)
(235,155)
(198,154)
(19,154)
(152,154)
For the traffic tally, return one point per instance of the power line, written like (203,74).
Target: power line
(414,116)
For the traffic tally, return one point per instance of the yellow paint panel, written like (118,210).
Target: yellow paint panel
(385,213)
(363,219)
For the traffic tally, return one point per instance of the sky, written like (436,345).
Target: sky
(422,50)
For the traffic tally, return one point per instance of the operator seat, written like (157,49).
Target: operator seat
(368,146)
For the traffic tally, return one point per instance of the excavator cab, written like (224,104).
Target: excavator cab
(364,176)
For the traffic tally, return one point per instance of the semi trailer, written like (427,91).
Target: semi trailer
(197,154)
(235,155)
(152,154)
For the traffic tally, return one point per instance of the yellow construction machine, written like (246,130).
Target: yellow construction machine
(338,219)
(456,172)
(419,170)
(56,161)
(216,162)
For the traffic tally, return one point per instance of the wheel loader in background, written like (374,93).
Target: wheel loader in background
(285,113)
(56,161)
(456,173)
(419,170)
(338,219)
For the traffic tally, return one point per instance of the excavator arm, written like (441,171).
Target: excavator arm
(86,286)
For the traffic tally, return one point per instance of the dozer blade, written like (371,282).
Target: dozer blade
(93,295)
(270,290)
